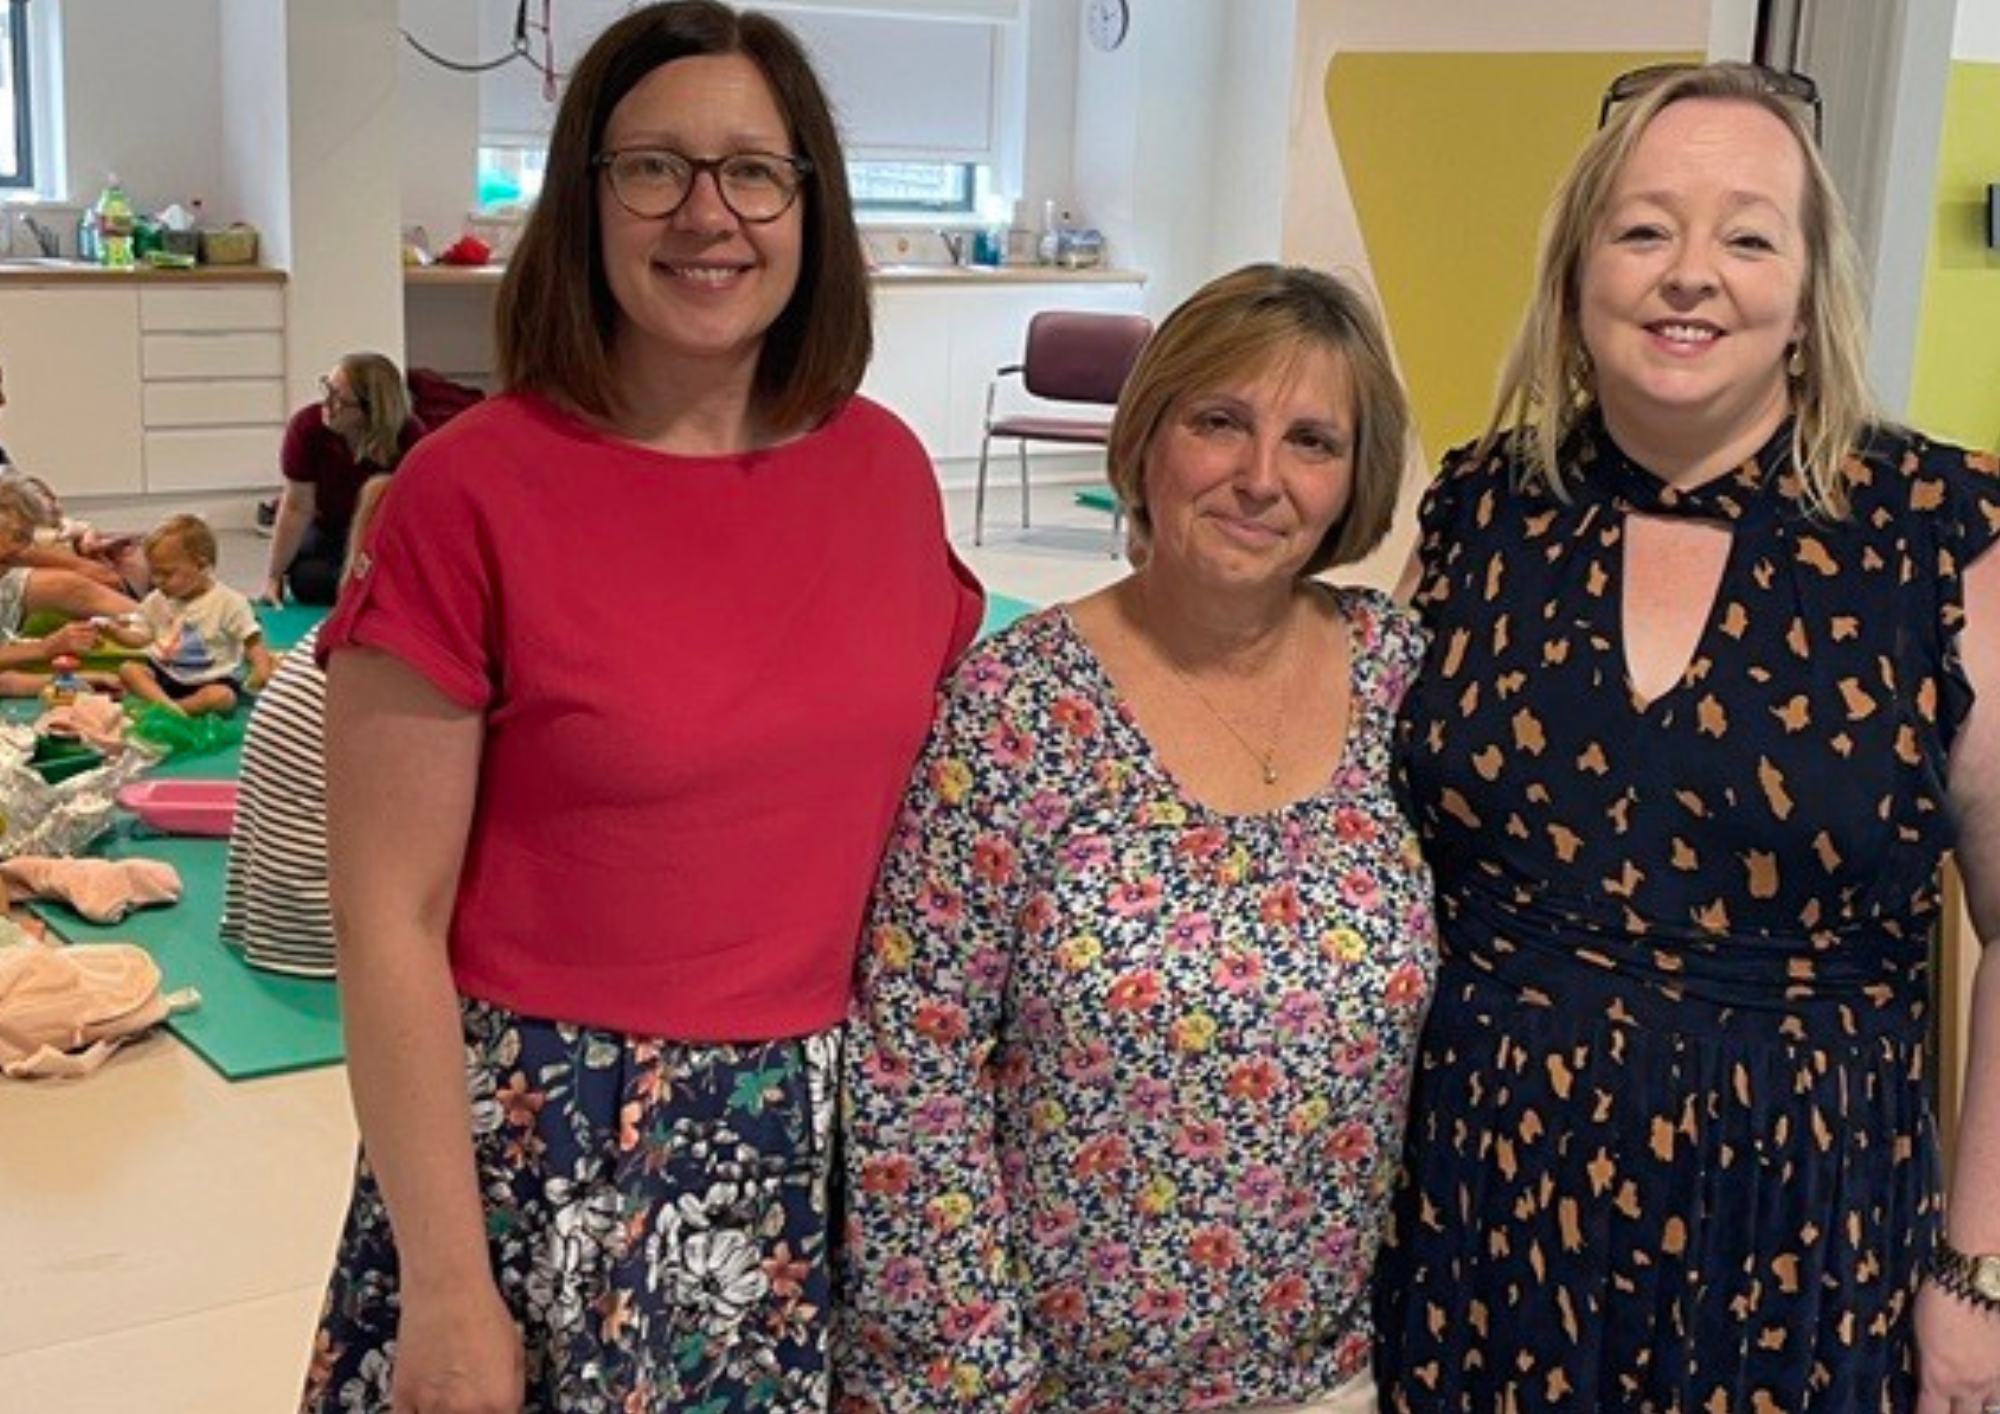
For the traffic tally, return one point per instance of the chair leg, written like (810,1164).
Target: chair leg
(979,493)
(1023,445)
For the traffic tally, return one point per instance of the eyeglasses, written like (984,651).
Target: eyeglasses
(655,182)
(333,397)
(1796,89)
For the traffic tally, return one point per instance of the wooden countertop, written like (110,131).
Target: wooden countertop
(887,275)
(77,272)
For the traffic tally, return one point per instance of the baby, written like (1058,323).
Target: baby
(198,634)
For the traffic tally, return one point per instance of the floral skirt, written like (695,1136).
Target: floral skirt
(657,1216)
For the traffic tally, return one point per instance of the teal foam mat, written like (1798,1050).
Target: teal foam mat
(249,1023)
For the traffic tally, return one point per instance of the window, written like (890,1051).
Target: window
(933,188)
(17,132)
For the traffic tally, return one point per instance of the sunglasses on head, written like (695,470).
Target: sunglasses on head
(1796,89)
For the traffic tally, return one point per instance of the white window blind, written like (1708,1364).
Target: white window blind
(907,85)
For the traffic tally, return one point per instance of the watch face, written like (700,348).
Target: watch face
(1107,20)
(1986,1277)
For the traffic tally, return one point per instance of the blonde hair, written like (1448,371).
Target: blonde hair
(190,533)
(20,504)
(1546,385)
(378,386)
(1259,318)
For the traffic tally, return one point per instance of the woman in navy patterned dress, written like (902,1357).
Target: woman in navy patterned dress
(1713,688)
(1142,979)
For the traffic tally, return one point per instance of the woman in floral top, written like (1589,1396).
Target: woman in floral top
(1127,1071)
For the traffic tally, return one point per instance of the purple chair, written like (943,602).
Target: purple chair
(1073,356)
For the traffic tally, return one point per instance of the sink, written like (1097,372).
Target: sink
(919,267)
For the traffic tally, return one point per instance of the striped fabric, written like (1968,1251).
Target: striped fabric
(275,904)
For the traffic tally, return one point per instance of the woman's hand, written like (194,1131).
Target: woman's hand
(1958,1354)
(76,638)
(458,1354)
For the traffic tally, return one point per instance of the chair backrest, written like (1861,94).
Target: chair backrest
(1080,356)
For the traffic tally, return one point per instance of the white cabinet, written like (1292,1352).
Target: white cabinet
(71,356)
(213,382)
(937,348)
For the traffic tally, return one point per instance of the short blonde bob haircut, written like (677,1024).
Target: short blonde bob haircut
(1256,320)
(1546,385)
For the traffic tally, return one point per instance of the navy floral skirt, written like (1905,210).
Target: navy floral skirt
(657,1216)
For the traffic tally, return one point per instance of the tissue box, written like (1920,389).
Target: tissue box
(231,245)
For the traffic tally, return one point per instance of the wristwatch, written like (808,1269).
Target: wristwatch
(1975,1279)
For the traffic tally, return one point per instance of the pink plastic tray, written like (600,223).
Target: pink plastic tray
(183,807)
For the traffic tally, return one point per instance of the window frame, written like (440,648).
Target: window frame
(21,54)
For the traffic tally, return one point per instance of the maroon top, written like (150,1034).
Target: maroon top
(318,456)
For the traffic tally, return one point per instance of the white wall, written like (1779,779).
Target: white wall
(346,187)
(143,98)
(439,115)
(1976,33)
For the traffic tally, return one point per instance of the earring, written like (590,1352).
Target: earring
(1795,364)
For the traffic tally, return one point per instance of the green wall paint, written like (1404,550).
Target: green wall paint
(1450,161)
(1955,383)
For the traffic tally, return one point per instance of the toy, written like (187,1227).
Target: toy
(64,686)
(183,807)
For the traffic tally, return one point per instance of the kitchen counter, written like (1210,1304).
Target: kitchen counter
(43,270)
(968,275)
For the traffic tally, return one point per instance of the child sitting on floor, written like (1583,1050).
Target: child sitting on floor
(198,634)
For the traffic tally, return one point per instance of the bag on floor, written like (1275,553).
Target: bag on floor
(64,1010)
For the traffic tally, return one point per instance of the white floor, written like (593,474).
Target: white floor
(164,1234)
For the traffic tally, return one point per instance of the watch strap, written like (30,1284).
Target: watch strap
(1953,1270)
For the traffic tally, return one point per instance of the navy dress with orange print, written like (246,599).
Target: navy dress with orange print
(1670,1148)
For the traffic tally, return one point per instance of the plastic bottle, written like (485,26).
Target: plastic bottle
(114,225)
(1050,242)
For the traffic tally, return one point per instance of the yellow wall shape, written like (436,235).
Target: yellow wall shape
(1450,161)
(1955,383)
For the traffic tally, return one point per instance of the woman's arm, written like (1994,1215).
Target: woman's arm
(927,1316)
(1958,1343)
(402,771)
(296,504)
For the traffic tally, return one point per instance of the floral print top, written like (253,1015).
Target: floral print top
(1126,1076)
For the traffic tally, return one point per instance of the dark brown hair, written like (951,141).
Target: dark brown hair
(556,314)
(1247,322)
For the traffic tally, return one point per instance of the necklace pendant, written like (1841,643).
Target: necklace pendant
(1270,773)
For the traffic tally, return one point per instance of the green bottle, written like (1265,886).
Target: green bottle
(114,225)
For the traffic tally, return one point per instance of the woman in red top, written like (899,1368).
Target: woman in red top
(360,427)
(624,686)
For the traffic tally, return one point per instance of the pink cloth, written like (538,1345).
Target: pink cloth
(704,679)
(93,717)
(102,890)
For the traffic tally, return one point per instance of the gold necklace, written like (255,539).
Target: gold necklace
(1267,759)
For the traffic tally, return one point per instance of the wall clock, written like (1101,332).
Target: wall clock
(1106,21)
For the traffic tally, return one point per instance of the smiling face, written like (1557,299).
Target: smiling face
(1691,292)
(1243,482)
(699,287)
